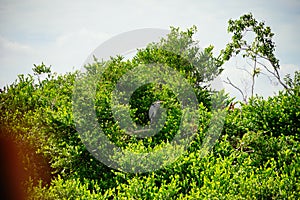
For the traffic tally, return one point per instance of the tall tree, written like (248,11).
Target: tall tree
(260,48)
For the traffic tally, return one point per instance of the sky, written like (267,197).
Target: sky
(64,33)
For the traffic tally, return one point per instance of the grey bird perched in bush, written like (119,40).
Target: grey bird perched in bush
(153,110)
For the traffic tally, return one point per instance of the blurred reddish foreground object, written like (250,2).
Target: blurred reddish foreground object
(11,171)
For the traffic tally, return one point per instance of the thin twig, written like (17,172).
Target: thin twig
(230,83)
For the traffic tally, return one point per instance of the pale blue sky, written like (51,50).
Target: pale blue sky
(64,33)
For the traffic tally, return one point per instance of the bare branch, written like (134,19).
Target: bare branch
(244,70)
(275,74)
(269,77)
(242,93)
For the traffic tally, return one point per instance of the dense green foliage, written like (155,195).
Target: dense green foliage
(256,156)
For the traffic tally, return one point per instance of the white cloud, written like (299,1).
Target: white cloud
(12,47)
(82,36)
(15,58)
(71,49)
